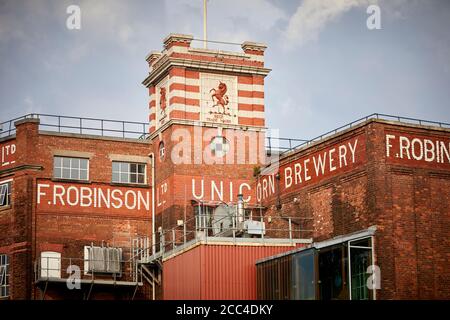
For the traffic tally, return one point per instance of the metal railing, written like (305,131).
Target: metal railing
(139,130)
(69,124)
(282,144)
(381,116)
(57,269)
(204,227)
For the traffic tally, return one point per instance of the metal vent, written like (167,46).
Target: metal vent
(103,259)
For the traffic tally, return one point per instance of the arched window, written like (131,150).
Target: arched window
(162,150)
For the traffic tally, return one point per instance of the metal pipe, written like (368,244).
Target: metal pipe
(240,208)
(290,229)
(152,155)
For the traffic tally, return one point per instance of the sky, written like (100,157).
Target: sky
(328,68)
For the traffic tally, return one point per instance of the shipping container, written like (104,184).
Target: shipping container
(216,271)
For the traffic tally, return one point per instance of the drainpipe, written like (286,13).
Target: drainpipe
(152,155)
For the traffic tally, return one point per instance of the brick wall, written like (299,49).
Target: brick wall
(407,200)
(175,202)
(28,228)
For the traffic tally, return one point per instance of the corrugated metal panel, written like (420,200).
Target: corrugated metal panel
(215,272)
(181,276)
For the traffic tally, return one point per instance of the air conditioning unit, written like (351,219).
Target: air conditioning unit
(113,261)
(102,259)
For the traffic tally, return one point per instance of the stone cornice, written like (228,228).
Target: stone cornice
(166,62)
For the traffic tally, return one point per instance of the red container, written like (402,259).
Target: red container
(213,271)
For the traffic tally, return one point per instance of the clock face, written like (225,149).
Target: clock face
(219,146)
(218,98)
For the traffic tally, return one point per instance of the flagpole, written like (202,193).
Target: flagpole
(204,25)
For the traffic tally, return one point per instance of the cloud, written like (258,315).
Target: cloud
(261,14)
(312,16)
(228,20)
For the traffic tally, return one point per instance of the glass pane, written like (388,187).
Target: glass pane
(57,162)
(57,172)
(83,174)
(115,177)
(66,162)
(65,173)
(124,177)
(332,274)
(75,174)
(76,163)
(360,261)
(141,168)
(133,167)
(84,163)
(303,276)
(133,178)
(124,167)
(141,178)
(115,166)
(361,243)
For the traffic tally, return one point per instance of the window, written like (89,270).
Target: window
(335,271)
(343,270)
(162,150)
(5,193)
(333,276)
(128,172)
(50,264)
(360,253)
(71,168)
(219,146)
(4,276)
(303,275)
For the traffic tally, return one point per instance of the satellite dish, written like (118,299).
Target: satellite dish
(222,220)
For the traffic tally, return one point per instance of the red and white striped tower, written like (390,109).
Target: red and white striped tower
(189,74)
(197,91)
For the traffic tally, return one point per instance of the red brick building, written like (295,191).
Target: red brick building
(383,181)
(187,206)
(55,209)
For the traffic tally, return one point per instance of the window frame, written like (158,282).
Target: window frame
(8,194)
(129,172)
(70,168)
(162,149)
(5,275)
(372,293)
(50,264)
